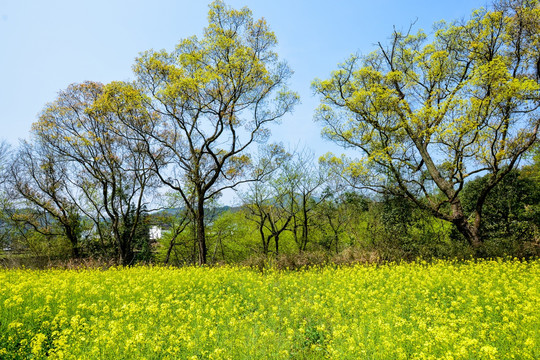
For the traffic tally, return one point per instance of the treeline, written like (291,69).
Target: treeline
(298,216)
(133,171)
(301,217)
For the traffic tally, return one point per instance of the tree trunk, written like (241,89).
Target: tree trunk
(295,233)
(126,253)
(263,238)
(169,250)
(470,232)
(75,251)
(304,224)
(266,245)
(200,226)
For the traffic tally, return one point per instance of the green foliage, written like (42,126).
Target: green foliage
(231,238)
(338,215)
(142,245)
(397,230)
(511,214)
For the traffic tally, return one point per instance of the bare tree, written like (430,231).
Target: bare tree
(38,177)
(307,181)
(271,202)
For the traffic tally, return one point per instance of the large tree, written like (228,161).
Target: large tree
(429,112)
(85,128)
(213,98)
(38,178)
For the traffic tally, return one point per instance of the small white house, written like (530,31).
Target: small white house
(155,232)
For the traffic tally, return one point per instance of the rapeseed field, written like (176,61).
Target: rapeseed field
(444,310)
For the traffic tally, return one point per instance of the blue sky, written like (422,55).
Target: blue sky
(47,45)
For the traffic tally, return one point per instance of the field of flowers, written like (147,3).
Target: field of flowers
(446,310)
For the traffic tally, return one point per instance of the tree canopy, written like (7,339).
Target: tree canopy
(213,97)
(429,112)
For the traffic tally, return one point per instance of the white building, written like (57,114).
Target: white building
(155,232)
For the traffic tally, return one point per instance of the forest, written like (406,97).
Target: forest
(439,133)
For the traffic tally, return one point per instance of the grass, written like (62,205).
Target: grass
(445,310)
